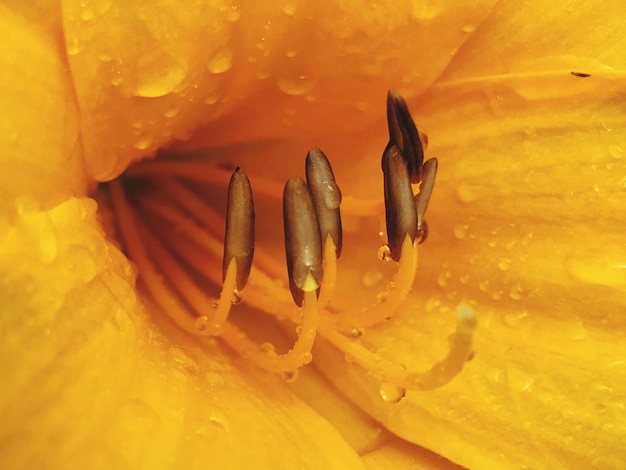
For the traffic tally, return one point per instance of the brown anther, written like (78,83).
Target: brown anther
(403,133)
(326,196)
(303,244)
(400,211)
(239,235)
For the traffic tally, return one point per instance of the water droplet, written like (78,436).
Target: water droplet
(170,113)
(80,263)
(159,76)
(221,61)
(616,152)
(289,8)
(295,86)
(384,253)
(331,195)
(86,14)
(468,28)
(237,297)
(516,291)
(306,358)
(267,348)
(460,231)
(291,53)
(483,286)
(504,264)
(391,393)
(143,143)
(202,323)
(117,79)
(468,192)
(464,279)
(513,320)
(290,376)
(443,279)
(298,330)
(382,297)
(603,265)
(73,47)
(211,99)
(233,15)
(518,378)
(349,331)
(372,277)
(497,295)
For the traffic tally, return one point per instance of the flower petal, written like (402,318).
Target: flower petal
(148,75)
(40,147)
(98,384)
(525,226)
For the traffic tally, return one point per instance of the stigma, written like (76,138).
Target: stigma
(177,240)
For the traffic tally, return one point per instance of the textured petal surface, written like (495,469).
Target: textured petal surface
(39,128)
(149,73)
(99,385)
(526,226)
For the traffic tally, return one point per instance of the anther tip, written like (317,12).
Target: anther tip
(466,318)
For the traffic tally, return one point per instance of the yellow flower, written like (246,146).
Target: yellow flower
(523,107)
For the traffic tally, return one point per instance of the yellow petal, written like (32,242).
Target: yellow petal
(526,226)
(146,76)
(40,147)
(100,385)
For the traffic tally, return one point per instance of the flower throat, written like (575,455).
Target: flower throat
(165,224)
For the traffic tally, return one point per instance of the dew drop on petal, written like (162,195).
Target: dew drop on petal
(349,331)
(221,61)
(202,323)
(372,277)
(296,85)
(237,297)
(290,376)
(391,393)
(604,266)
(384,253)
(616,152)
(460,231)
(515,292)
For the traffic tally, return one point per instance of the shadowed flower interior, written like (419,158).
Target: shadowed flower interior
(173,231)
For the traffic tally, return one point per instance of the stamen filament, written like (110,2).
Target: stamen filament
(329,280)
(398,290)
(296,357)
(188,288)
(391,372)
(263,289)
(153,281)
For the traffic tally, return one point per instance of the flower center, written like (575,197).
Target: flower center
(176,238)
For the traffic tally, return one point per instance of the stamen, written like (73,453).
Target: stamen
(403,133)
(400,211)
(303,245)
(293,359)
(170,232)
(390,372)
(265,294)
(429,172)
(326,196)
(397,291)
(330,272)
(239,235)
(153,281)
